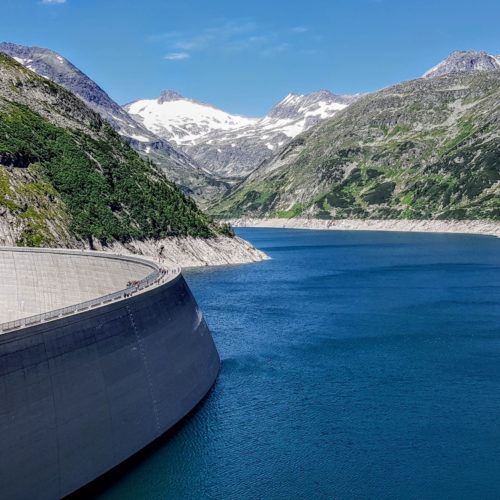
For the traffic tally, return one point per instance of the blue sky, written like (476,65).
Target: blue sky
(245,55)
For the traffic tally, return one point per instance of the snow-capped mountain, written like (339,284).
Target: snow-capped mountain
(178,166)
(233,145)
(183,120)
(297,113)
(464,61)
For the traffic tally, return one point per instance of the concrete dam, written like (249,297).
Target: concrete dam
(99,356)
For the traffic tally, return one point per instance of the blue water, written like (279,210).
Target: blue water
(355,365)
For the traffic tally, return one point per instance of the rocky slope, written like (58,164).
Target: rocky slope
(178,166)
(464,62)
(423,149)
(193,252)
(68,179)
(231,145)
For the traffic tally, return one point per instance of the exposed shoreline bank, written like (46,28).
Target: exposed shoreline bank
(193,252)
(170,252)
(424,226)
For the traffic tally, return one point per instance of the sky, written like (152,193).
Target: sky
(245,55)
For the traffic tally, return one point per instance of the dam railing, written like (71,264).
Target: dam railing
(157,276)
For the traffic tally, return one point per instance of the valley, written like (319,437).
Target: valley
(423,149)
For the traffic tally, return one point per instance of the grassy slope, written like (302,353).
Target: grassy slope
(421,149)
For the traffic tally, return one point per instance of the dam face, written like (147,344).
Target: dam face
(83,391)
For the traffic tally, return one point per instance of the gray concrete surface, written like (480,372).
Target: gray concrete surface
(78,395)
(34,282)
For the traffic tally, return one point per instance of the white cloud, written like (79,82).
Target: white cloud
(176,56)
(275,49)
(163,36)
(53,2)
(225,32)
(198,42)
(231,36)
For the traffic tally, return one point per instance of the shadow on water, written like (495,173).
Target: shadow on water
(103,483)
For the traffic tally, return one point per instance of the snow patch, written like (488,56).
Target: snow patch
(140,138)
(185,120)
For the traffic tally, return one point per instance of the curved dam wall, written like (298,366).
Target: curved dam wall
(80,394)
(34,282)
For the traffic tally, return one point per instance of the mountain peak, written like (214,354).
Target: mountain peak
(464,61)
(169,95)
(324,93)
(53,66)
(295,106)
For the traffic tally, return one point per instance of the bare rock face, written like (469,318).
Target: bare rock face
(193,252)
(169,95)
(420,226)
(464,62)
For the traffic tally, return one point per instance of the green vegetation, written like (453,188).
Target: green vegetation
(6,192)
(398,130)
(381,193)
(424,149)
(65,175)
(109,192)
(465,130)
(295,211)
(36,205)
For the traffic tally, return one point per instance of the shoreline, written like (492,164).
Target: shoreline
(483,227)
(175,251)
(192,252)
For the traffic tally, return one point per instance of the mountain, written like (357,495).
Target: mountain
(232,145)
(422,149)
(182,120)
(67,178)
(178,166)
(464,62)
(53,66)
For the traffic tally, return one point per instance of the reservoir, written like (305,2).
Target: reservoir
(354,365)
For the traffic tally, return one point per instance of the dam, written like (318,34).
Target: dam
(100,355)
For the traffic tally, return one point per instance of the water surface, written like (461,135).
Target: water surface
(355,365)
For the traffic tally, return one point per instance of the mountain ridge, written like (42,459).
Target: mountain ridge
(227,144)
(394,153)
(460,61)
(178,166)
(216,149)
